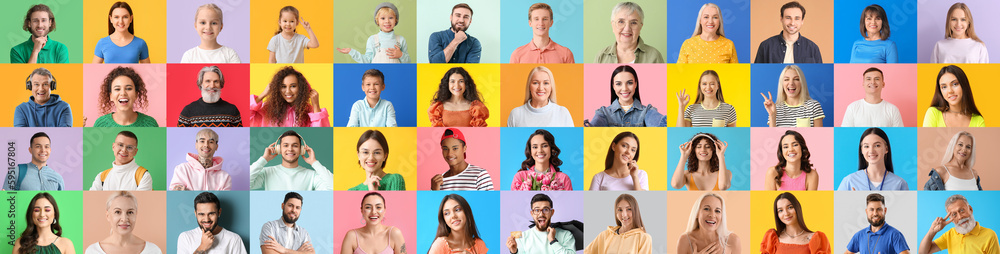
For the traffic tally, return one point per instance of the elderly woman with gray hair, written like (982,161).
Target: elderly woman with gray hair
(210,110)
(956,172)
(626,25)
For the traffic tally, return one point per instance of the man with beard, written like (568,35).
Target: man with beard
(36,175)
(283,235)
(966,237)
(43,109)
(39,48)
(879,237)
(203,170)
(454,45)
(289,175)
(543,238)
(210,110)
(209,237)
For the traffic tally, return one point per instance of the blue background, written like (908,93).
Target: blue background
(485,207)
(764,78)
(569,140)
(315,216)
(400,88)
(903,141)
(737,154)
(846,26)
(566,30)
(681,20)
(181,217)
(930,205)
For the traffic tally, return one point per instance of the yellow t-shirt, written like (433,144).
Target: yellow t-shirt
(696,50)
(934,118)
(979,240)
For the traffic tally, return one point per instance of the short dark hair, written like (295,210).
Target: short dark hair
(38,8)
(374,73)
(129,134)
(205,198)
(42,134)
(290,133)
(792,4)
(291,195)
(541,197)
(875,197)
(372,194)
(462,5)
(871,69)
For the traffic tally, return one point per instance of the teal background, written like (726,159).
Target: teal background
(98,156)
(319,138)
(597,33)
(180,214)
(354,22)
(566,30)
(315,216)
(69,25)
(435,17)
(70,204)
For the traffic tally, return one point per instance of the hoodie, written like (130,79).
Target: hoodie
(54,113)
(193,176)
(609,242)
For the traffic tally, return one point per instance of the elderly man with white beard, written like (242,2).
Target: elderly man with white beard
(210,110)
(966,237)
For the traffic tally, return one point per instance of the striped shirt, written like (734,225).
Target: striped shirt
(472,178)
(703,117)
(788,116)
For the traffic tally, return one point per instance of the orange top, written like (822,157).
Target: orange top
(693,186)
(474,117)
(819,244)
(440,246)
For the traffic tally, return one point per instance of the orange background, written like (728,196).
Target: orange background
(817,25)
(569,88)
(737,219)
(149,225)
(69,84)
(264,21)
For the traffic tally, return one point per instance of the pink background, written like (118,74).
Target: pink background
(900,89)
(597,86)
(153,75)
(483,151)
(399,207)
(763,153)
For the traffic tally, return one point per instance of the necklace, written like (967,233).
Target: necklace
(796,235)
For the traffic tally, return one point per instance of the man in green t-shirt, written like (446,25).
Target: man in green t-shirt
(39,48)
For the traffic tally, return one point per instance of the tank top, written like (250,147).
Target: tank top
(788,183)
(955,183)
(693,186)
(388,244)
(48,249)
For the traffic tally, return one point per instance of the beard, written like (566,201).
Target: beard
(203,229)
(543,227)
(211,96)
(970,223)
(456,29)
(878,223)
(287,219)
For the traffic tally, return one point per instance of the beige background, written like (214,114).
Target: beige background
(765,21)
(737,219)
(933,142)
(149,225)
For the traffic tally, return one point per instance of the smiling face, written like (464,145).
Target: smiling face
(40,149)
(960,213)
(123,92)
(206,145)
(791,20)
(287,22)
(540,150)
(710,20)
(540,21)
(625,150)
(120,19)
(624,86)
(626,27)
(456,85)
(704,149)
(791,150)
(290,210)
(623,213)
(708,85)
(461,18)
(208,24)
(371,155)
(541,213)
(873,82)
(39,24)
(875,212)
(786,212)
(122,215)
(373,210)
(125,149)
(791,83)
(386,19)
(873,23)
(453,151)
(211,87)
(958,22)
(372,86)
(290,149)
(874,149)
(540,86)
(41,89)
(951,89)
(42,213)
(454,215)
(207,215)
(290,88)
(710,213)
(963,149)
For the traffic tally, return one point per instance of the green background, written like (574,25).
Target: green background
(98,156)
(354,22)
(597,33)
(319,138)
(69,25)
(70,204)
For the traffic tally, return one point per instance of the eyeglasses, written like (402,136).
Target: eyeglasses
(633,23)
(128,148)
(543,210)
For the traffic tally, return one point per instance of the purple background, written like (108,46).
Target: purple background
(66,156)
(181,35)
(930,25)
(515,212)
(234,148)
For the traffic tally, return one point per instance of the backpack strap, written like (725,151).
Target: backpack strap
(138,175)
(22,169)
(104,175)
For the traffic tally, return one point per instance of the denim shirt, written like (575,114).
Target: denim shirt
(935,183)
(637,116)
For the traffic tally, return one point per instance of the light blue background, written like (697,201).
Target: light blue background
(930,205)
(764,78)
(566,30)
(681,20)
(400,88)
(737,154)
(903,141)
(435,16)
(485,207)
(181,217)
(569,140)
(902,27)
(315,217)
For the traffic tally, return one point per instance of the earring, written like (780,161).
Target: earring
(53,221)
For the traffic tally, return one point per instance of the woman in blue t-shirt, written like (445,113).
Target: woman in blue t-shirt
(121,45)
(875,47)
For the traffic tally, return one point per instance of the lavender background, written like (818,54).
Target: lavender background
(234,148)
(66,156)
(515,211)
(182,36)
(930,25)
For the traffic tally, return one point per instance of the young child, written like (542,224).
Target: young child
(208,24)
(372,111)
(385,46)
(286,46)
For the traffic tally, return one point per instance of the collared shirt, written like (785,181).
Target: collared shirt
(533,241)
(468,51)
(382,115)
(552,53)
(859,181)
(979,240)
(643,54)
(289,237)
(772,50)
(636,116)
(887,240)
(33,178)
(52,52)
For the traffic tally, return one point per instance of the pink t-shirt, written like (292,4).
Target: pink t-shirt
(798,183)
(258,119)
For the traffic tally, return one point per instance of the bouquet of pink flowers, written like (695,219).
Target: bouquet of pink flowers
(540,181)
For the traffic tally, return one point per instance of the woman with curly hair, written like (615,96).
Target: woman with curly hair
(457,103)
(43,233)
(540,168)
(291,102)
(121,92)
(705,157)
(793,171)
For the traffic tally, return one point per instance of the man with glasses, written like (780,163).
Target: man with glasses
(541,236)
(124,173)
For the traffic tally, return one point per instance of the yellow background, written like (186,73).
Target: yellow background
(486,76)
(817,210)
(149,21)
(402,155)
(735,80)
(264,22)
(981,79)
(320,77)
(69,81)
(652,148)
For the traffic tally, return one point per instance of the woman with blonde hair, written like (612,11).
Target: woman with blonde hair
(540,108)
(627,236)
(794,107)
(708,44)
(706,229)
(709,108)
(122,210)
(960,43)
(956,172)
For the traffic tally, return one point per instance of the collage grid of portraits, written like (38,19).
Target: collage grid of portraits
(468,105)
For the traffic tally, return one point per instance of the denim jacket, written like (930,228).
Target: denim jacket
(637,116)
(935,183)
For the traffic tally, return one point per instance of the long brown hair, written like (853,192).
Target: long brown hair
(610,159)
(554,160)
(804,164)
(276,107)
(780,226)
(636,216)
(29,238)
(692,159)
(470,225)
(968,103)
(116,5)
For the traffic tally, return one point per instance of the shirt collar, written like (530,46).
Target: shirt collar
(615,106)
(640,48)
(549,47)
(885,227)
(282,226)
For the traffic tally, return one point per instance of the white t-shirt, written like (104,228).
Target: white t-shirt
(288,51)
(220,55)
(952,50)
(603,181)
(863,114)
(226,242)
(122,177)
(150,248)
(551,115)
